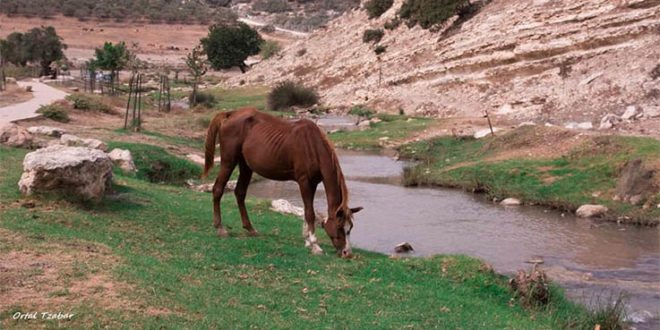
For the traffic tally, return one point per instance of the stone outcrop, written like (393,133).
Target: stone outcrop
(47,130)
(12,135)
(75,173)
(590,210)
(635,180)
(74,141)
(555,60)
(123,159)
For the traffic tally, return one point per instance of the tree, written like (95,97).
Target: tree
(112,58)
(197,66)
(14,49)
(43,46)
(227,46)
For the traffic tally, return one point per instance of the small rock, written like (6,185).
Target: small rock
(364,123)
(526,123)
(208,187)
(583,125)
(591,78)
(510,202)
(484,133)
(74,141)
(534,261)
(609,121)
(375,120)
(47,130)
(28,89)
(284,206)
(404,247)
(12,135)
(123,159)
(634,200)
(632,112)
(591,210)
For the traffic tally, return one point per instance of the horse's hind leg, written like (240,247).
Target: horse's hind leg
(241,192)
(218,189)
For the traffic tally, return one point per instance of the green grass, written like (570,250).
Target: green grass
(174,262)
(242,97)
(565,182)
(394,127)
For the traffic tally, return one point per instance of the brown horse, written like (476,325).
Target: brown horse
(280,150)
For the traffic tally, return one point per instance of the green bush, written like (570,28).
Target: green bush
(372,35)
(392,24)
(269,49)
(206,99)
(54,112)
(375,8)
(289,94)
(360,111)
(380,49)
(88,103)
(154,164)
(428,13)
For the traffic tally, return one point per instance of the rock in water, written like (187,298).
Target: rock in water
(72,140)
(590,210)
(284,206)
(404,247)
(13,135)
(77,173)
(510,202)
(123,159)
(47,130)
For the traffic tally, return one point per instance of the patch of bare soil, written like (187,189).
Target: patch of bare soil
(14,94)
(43,275)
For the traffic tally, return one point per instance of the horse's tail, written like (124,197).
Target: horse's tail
(211,136)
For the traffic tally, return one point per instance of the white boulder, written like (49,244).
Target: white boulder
(284,206)
(609,121)
(484,133)
(47,130)
(510,202)
(123,159)
(74,141)
(591,210)
(12,135)
(583,125)
(75,172)
(632,112)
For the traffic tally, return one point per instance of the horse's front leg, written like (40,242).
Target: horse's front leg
(307,191)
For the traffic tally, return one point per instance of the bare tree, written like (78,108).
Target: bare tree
(197,66)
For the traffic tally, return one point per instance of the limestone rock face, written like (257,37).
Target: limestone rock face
(12,135)
(123,159)
(77,173)
(47,130)
(72,140)
(590,210)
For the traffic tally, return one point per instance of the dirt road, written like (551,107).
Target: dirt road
(43,95)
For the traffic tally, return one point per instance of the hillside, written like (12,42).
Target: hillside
(548,60)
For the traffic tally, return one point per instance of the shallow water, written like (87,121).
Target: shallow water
(592,260)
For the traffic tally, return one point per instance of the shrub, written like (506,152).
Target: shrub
(372,35)
(268,28)
(206,99)
(269,49)
(54,112)
(427,13)
(154,164)
(380,49)
(360,111)
(655,73)
(85,102)
(375,8)
(301,52)
(289,94)
(392,24)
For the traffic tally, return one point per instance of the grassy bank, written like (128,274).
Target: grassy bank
(563,173)
(390,128)
(159,249)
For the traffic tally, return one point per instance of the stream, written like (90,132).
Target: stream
(594,261)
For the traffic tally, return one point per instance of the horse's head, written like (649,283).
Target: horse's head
(338,226)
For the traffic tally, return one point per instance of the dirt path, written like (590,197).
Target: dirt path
(43,95)
(252,22)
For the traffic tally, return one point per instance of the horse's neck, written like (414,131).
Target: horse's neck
(332,185)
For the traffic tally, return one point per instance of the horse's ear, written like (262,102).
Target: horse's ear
(356,209)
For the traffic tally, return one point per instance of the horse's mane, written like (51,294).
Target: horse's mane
(340,175)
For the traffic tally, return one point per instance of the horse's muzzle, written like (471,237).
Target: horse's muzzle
(345,253)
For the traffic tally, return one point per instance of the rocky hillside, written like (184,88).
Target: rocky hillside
(548,60)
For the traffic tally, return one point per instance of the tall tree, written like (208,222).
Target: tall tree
(15,51)
(112,58)
(227,46)
(197,66)
(44,46)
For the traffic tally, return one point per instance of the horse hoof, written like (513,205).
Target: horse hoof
(253,233)
(222,233)
(317,251)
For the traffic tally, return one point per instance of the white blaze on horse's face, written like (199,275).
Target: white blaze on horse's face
(346,251)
